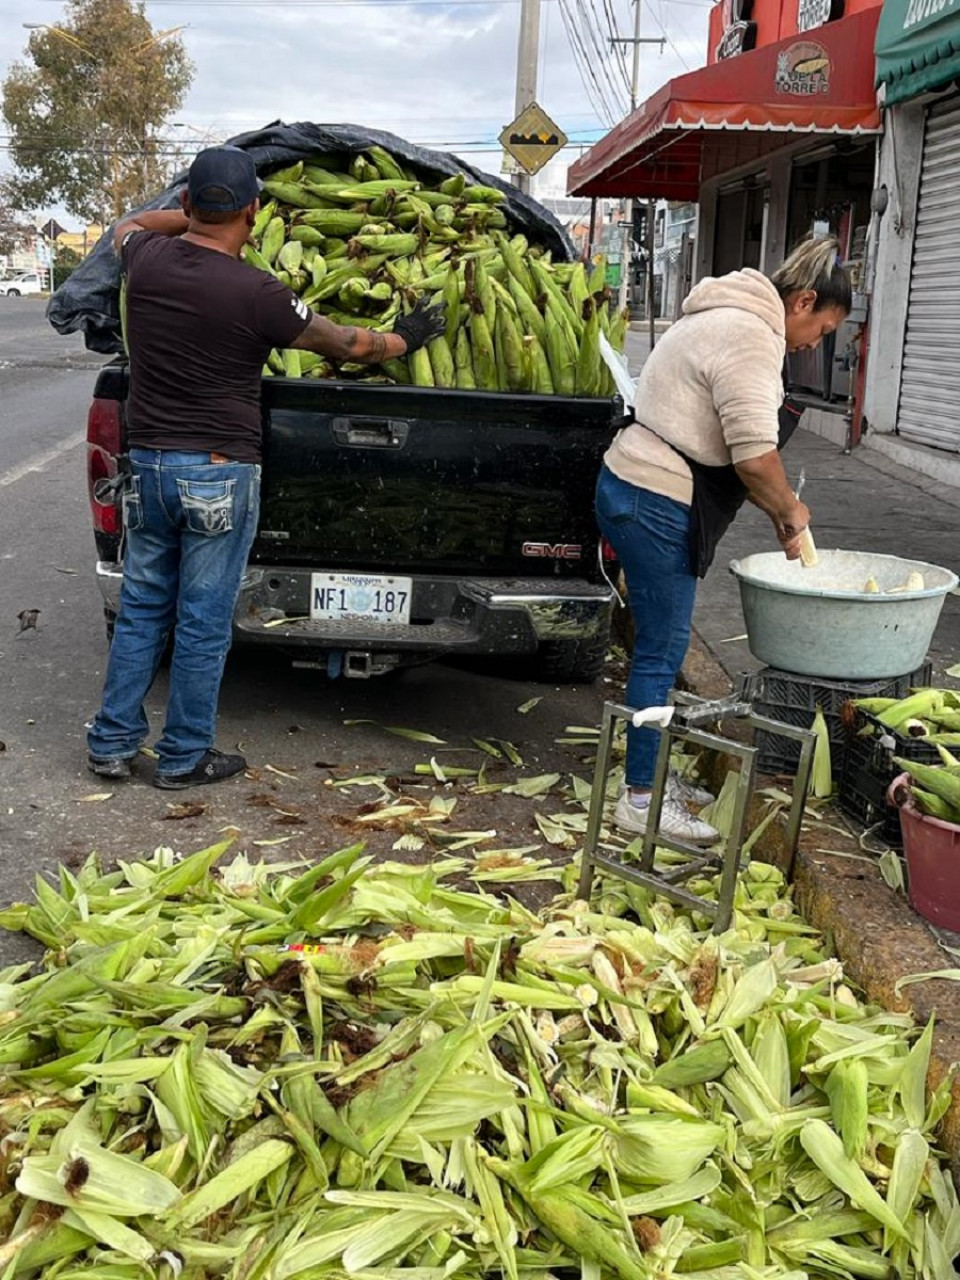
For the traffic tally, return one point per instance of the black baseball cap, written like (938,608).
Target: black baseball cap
(222,180)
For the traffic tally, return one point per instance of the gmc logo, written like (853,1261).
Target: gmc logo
(552,551)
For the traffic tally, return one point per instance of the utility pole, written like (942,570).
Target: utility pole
(627,241)
(528,52)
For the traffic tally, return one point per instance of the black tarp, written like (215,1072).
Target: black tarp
(89,299)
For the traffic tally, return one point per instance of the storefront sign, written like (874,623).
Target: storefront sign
(920,10)
(817,13)
(803,70)
(739,33)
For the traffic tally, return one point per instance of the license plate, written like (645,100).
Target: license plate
(367,597)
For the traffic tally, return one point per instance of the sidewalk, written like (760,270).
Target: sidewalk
(860,501)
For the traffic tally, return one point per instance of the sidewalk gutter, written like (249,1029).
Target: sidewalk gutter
(877,936)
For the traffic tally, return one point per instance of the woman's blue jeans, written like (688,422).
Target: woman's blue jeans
(189,526)
(651,536)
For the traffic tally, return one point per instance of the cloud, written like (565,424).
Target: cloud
(440,75)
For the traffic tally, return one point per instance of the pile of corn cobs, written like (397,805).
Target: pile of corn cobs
(361,239)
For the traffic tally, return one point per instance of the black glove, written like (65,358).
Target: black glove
(422,324)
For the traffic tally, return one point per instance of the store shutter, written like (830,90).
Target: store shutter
(930,382)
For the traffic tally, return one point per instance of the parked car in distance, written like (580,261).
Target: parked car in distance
(19,286)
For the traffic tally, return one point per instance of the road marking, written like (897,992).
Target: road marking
(40,460)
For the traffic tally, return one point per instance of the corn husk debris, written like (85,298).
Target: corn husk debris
(352,1069)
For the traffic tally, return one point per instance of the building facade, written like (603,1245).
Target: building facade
(912,380)
(774,139)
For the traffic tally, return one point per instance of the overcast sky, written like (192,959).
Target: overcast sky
(441,74)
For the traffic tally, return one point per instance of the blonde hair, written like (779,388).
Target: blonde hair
(815,265)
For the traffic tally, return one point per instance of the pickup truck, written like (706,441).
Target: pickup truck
(20,285)
(400,524)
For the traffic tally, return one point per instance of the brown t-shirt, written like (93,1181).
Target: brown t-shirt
(199,327)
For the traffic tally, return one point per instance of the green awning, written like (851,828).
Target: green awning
(918,47)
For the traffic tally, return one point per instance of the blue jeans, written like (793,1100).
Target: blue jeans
(189,527)
(651,536)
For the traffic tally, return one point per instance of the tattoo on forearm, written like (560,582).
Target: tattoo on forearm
(378,348)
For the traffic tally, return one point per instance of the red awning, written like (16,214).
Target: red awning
(819,82)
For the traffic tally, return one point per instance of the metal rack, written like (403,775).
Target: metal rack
(690,713)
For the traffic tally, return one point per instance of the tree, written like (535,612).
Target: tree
(15,227)
(67,260)
(86,112)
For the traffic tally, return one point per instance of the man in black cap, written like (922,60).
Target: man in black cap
(200,324)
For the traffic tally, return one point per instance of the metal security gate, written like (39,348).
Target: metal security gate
(930,382)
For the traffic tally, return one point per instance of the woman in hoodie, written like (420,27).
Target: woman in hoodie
(705,438)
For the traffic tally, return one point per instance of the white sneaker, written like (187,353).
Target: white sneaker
(675,821)
(686,792)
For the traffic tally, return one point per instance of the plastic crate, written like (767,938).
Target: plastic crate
(868,769)
(793,699)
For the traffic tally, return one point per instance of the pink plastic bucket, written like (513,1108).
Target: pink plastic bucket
(932,851)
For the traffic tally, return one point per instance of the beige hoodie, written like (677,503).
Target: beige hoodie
(712,386)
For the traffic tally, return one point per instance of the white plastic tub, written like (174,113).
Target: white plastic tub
(821,622)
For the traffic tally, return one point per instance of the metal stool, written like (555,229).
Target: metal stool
(690,712)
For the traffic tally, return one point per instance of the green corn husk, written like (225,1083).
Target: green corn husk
(441,363)
(463,361)
(273,240)
(365,1067)
(821,776)
(92,1178)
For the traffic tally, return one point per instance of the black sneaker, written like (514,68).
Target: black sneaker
(116,767)
(213,767)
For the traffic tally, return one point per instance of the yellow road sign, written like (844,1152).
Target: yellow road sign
(533,138)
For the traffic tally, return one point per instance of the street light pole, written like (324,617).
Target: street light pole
(528,52)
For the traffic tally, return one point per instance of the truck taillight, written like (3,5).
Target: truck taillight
(607,551)
(104,431)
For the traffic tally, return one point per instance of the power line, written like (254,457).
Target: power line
(666,35)
(587,75)
(596,39)
(617,47)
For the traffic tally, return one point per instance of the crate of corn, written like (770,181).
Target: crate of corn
(264,1072)
(793,700)
(883,731)
(360,238)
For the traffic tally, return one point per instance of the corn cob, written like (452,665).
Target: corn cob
(273,239)
(334,222)
(561,358)
(512,351)
(290,256)
(265,216)
(385,164)
(588,358)
(540,380)
(937,780)
(395,227)
(463,361)
(441,363)
(298,195)
(821,777)
(421,368)
(484,357)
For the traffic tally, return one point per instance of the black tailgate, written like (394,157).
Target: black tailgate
(375,476)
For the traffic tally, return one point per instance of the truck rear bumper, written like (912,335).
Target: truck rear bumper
(469,615)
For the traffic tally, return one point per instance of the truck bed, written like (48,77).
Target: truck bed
(478,505)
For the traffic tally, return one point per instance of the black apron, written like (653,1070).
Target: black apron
(719,493)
